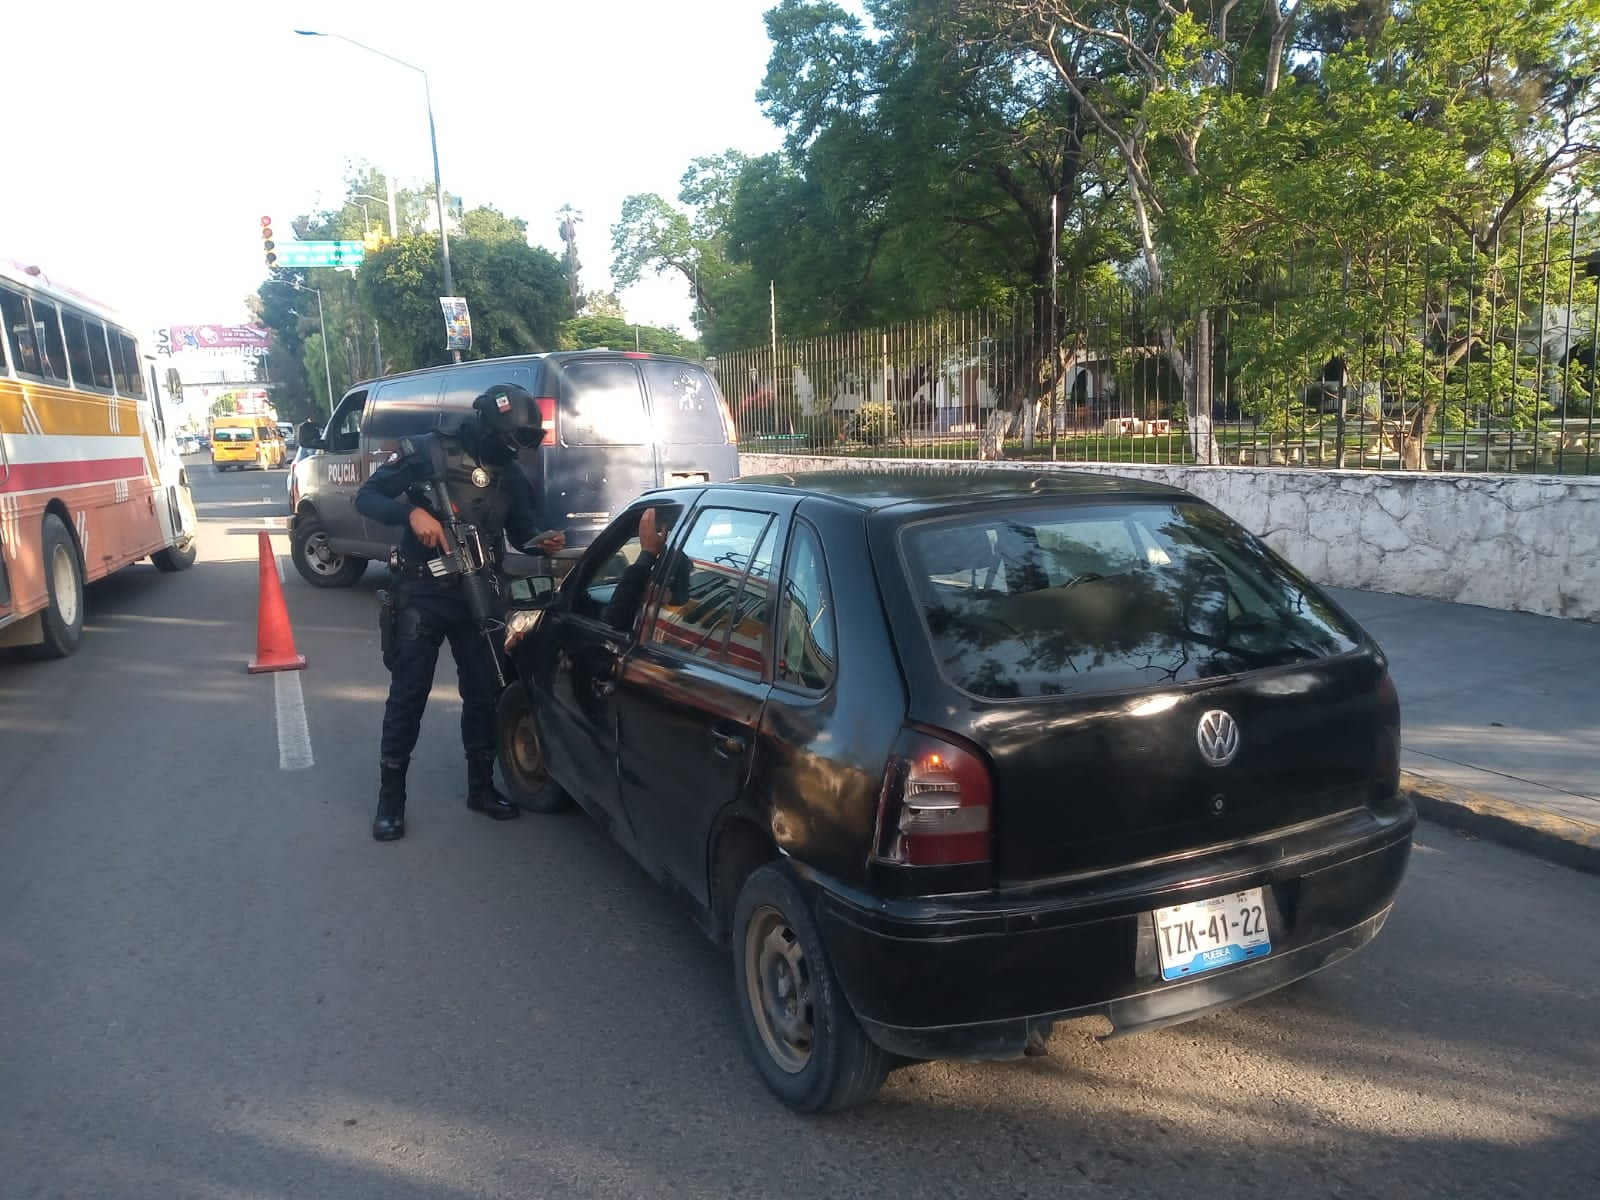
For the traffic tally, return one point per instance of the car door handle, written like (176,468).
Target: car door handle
(727,745)
(603,687)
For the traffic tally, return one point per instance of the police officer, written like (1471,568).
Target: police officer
(490,492)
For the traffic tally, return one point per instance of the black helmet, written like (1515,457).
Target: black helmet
(509,414)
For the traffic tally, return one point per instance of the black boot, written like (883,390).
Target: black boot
(481,794)
(390,823)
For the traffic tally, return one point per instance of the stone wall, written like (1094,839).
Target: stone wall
(1527,543)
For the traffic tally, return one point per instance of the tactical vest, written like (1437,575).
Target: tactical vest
(484,506)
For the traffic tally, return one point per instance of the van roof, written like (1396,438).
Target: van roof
(550,356)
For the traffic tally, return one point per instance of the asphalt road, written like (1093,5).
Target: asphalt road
(213,983)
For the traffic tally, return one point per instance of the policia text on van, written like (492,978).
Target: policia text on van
(619,424)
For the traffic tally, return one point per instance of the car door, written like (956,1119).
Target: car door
(689,695)
(574,671)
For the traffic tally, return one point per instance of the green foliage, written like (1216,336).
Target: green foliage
(615,333)
(873,423)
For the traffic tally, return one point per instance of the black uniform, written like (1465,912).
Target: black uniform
(490,492)
(430,609)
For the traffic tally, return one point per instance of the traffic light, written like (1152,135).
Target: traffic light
(268,246)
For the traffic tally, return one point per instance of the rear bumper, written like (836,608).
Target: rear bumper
(974,977)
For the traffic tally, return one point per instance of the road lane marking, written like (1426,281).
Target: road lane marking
(294,735)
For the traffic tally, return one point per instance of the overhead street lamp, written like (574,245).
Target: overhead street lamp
(388,204)
(438,189)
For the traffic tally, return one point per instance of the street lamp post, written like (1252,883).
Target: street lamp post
(389,204)
(327,371)
(438,188)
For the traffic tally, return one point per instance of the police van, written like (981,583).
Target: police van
(616,424)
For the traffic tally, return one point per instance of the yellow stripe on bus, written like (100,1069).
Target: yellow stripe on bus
(63,411)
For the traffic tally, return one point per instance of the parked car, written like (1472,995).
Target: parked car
(945,757)
(616,423)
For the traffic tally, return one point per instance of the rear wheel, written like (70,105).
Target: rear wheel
(522,761)
(63,575)
(318,563)
(799,1028)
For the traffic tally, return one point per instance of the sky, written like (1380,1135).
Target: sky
(161,133)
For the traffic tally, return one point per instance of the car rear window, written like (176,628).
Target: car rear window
(1071,599)
(234,435)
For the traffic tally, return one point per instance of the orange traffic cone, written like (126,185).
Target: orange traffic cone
(274,638)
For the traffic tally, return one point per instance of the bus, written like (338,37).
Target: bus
(90,476)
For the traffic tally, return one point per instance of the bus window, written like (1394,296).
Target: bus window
(125,364)
(20,344)
(47,338)
(79,337)
(99,353)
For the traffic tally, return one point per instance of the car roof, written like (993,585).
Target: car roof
(876,488)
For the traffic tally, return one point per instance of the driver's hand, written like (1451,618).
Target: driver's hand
(427,528)
(553,543)
(651,539)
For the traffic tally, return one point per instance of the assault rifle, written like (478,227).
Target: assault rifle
(464,553)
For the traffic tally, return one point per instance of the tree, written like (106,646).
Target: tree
(1241,141)
(617,333)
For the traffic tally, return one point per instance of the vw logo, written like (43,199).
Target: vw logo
(1218,736)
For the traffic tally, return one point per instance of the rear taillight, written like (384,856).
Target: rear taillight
(1388,756)
(547,418)
(935,805)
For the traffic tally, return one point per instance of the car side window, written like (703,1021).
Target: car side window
(714,593)
(594,582)
(807,641)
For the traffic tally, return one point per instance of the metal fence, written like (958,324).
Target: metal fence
(1470,354)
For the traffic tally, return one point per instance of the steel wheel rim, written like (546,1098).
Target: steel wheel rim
(778,983)
(65,582)
(322,559)
(526,756)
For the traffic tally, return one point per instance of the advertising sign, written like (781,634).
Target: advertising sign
(457,323)
(234,341)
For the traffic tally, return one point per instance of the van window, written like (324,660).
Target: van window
(602,405)
(684,402)
(404,408)
(236,434)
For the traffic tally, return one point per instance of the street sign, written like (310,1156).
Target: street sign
(321,254)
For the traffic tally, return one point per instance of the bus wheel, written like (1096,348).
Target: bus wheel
(175,558)
(63,574)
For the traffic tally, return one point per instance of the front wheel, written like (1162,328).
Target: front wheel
(800,1030)
(317,561)
(522,761)
(175,558)
(63,576)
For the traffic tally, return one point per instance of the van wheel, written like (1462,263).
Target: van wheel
(522,761)
(805,1040)
(63,576)
(318,563)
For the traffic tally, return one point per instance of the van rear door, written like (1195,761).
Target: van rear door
(694,442)
(601,454)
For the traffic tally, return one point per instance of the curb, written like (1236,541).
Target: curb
(1558,839)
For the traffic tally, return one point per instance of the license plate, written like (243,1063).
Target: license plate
(1216,932)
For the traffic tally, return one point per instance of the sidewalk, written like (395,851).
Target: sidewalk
(1501,715)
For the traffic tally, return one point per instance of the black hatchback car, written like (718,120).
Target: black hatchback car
(949,755)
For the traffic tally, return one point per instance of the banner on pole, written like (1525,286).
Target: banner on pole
(457,323)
